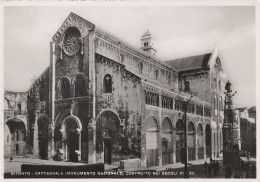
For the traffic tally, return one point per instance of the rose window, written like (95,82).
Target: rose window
(72,41)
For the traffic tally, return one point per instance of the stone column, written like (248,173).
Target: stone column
(204,144)
(143,148)
(50,143)
(52,96)
(173,133)
(36,141)
(174,145)
(159,132)
(196,147)
(91,145)
(94,144)
(63,149)
(79,135)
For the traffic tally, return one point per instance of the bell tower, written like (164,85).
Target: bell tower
(148,43)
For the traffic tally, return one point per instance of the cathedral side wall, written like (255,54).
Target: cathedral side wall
(124,100)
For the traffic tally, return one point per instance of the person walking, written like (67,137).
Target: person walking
(217,167)
(214,168)
(209,169)
(206,167)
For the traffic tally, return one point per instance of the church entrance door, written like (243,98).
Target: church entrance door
(73,146)
(107,151)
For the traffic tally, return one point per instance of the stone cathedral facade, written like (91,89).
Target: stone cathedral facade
(102,100)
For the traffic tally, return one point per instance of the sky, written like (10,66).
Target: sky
(179,31)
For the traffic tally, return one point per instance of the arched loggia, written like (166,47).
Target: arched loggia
(167,145)
(14,138)
(152,134)
(208,140)
(180,141)
(191,143)
(108,136)
(200,141)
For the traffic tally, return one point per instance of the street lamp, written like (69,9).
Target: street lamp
(184,103)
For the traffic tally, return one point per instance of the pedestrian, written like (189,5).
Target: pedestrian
(214,168)
(209,169)
(218,167)
(210,159)
(206,167)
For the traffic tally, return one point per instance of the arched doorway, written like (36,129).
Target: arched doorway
(42,125)
(208,140)
(152,134)
(200,141)
(180,150)
(14,138)
(108,138)
(167,148)
(70,134)
(73,140)
(191,142)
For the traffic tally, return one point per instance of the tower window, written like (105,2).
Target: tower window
(107,84)
(145,44)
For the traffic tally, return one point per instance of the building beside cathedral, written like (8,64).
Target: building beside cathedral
(15,127)
(102,100)
(247,118)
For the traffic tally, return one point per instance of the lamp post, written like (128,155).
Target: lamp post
(184,102)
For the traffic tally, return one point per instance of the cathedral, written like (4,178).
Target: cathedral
(102,100)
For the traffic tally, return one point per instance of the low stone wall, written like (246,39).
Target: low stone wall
(130,164)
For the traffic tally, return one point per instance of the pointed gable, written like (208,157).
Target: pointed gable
(74,20)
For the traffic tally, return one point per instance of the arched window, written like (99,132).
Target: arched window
(65,89)
(107,84)
(80,87)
